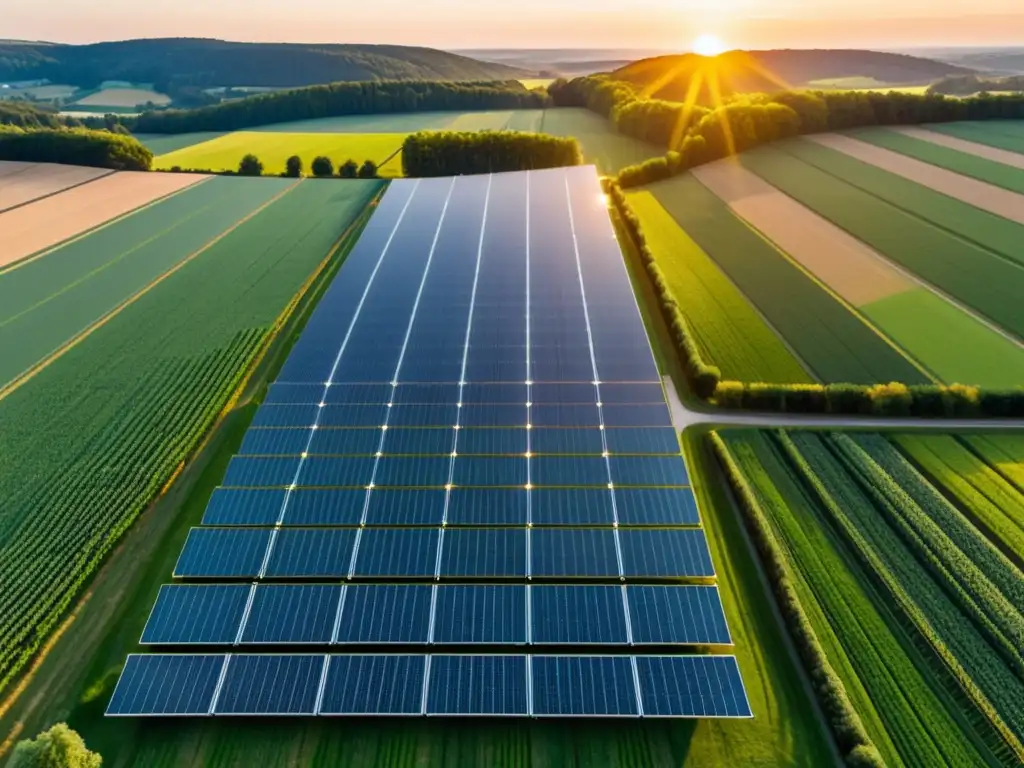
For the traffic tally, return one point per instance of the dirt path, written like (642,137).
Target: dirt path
(962,145)
(43,180)
(43,224)
(1001,202)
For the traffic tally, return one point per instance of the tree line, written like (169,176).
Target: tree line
(74,146)
(696,135)
(339,99)
(966,85)
(453,153)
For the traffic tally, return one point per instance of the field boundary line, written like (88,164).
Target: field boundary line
(13,265)
(845,304)
(75,340)
(16,206)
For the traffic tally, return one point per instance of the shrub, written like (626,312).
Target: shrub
(368,170)
(293,167)
(452,153)
(250,166)
(77,146)
(59,747)
(349,169)
(890,399)
(322,167)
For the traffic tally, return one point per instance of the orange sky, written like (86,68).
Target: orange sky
(670,24)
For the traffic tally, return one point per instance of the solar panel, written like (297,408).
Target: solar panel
(336,471)
(292,614)
(656,506)
(406,393)
(244,506)
(480,613)
(270,685)
(294,415)
(338,441)
(419,471)
(373,685)
(642,440)
(165,684)
(406,506)
(567,441)
(651,415)
(574,553)
(196,614)
(385,613)
(569,471)
(691,614)
(493,414)
(418,441)
(352,415)
(555,392)
(261,472)
(323,506)
(648,470)
(487,506)
(483,553)
(571,506)
(422,415)
(477,685)
(632,393)
(578,615)
(274,442)
(397,552)
(691,686)
(223,553)
(310,553)
(665,553)
(595,686)
(495,393)
(496,442)
(279,393)
(489,471)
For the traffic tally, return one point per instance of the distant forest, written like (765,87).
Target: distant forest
(965,85)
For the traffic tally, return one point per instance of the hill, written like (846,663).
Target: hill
(768,71)
(177,63)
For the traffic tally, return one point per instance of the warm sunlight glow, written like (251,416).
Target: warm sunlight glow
(708,45)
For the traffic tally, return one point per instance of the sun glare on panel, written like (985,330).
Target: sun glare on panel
(708,45)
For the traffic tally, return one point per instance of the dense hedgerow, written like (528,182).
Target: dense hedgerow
(453,153)
(74,146)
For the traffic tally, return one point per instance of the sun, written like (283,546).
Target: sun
(708,45)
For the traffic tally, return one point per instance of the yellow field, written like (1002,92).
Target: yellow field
(537,82)
(273,149)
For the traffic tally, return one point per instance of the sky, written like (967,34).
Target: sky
(654,24)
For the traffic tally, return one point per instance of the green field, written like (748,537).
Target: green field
(1004,453)
(979,168)
(81,462)
(47,301)
(893,579)
(1003,134)
(937,238)
(730,332)
(834,344)
(159,144)
(273,149)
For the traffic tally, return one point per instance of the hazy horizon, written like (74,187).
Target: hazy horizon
(602,24)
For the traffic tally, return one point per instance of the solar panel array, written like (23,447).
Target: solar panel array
(468,451)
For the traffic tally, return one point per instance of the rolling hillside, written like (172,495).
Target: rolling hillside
(767,71)
(202,63)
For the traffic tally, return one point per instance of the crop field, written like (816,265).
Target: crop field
(729,330)
(273,149)
(826,337)
(916,609)
(1006,135)
(22,183)
(159,144)
(81,462)
(122,97)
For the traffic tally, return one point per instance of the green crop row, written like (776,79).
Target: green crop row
(1004,453)
(81,462)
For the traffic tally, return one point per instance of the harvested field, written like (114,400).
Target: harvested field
(960,145)
(12,167)
(1002,202)
(123,97)
(46,223)
(952,344)
(42,180)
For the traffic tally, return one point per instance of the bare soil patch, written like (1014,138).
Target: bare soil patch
(42,180)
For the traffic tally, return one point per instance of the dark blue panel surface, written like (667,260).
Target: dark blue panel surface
(642,440)
(489,471)
(542,393)
(244,506)
(691,686)
(480,613)
(573,552)
(436,442)
(566,441)
(385,613)
(677,615)
(665,553)
(223,552)
(395,552)
(571,506)
(353,415)
(569,471)
(159,684)
(594,686)
(279,394)
(649,470)
(487,506)
(656,506)
(434,394)
(624,394)
(565,415)
(261,472)
(270,685)
(196,613)
(495,393)
(484,552)
(495,442)
(292,613)
(311,552)
(578,615)
(423,415)
(274,442)
(477,685)
(332,472)
(653,415)
(374,685)
(493,415)
(286,415)
(413,471)
(423,506)
(325,506)
(345,442)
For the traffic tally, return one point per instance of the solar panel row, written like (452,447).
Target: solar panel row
(539,393)
(498,685)
(342,507)
(499,614)
(445,553)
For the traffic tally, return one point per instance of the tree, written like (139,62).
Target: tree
(349,169)
(322,166)
(59,747)
(368,170)
(293,167)
(250,166)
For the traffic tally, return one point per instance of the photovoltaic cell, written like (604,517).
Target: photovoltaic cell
(270,685)
(397,552)
(413,471)
(422,415)
(566,441)
(677,615)
(325,506)
(578,615)
(196,614)
(261,472)
(223,552)
(569,471)
(573,553)
(571,506)
(480,613)
(651,415)
(547,393)
(487,506)
(374,685)
(484,553)
(665,553)
(565,415)
(649,470)
(244,506)
(274,442)
(595,686)
(692,686)
(493,415)
(422,506)
(489,471)
(385,613)
(495,442)
(292,614)
(477,685)
(640,440)
(344,442)
(495,393)
(363,415)
(311,553)
(296,415)
(656,506)
(166,684)
(336,472)
(419,441)
(435,394)
(632,393)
